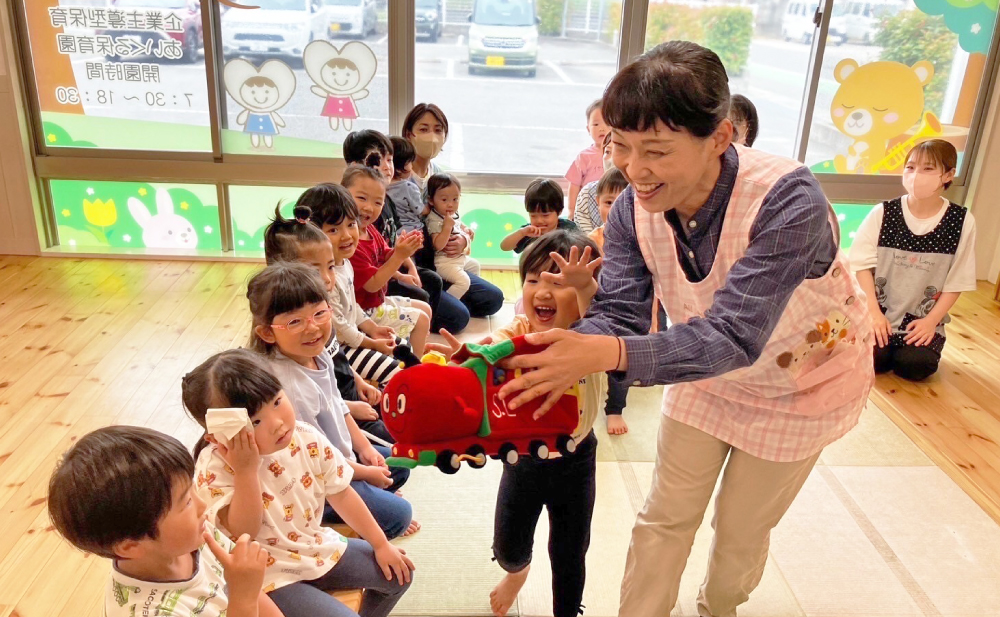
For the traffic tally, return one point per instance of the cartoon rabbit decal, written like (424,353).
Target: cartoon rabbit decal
(261,92)
(164,230)
(341,77)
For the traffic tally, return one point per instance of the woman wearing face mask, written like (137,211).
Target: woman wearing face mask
(426,127)
(914,256)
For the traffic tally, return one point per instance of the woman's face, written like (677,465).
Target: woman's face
(668,168)
(428,136)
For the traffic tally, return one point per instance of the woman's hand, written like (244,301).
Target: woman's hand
(920,332)
(393,561)
(241,453)
(577,271)
(455,246)
(570,357)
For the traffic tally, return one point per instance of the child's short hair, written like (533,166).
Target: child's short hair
(402,154)
(538,256)
(440,181)
(595,105)
(283,237)
(116,484)
(329,204)
(232,378)
(359,144)
(742,109)
(280,288)
(355,172)
(938,151)
(543,196)
(613,181)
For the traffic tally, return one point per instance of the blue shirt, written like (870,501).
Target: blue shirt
(790,241)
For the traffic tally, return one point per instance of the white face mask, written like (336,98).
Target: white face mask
(427,146)
(921,185)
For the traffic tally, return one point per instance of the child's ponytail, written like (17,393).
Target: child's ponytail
(284,237)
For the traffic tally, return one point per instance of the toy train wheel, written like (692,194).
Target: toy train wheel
(478,454)
(539,451)
(566,445)
(448,462)
(508,454)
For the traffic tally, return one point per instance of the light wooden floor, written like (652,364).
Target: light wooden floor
(86,343)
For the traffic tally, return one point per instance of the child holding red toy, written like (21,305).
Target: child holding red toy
(559,280)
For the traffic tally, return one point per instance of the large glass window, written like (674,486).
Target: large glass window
(515,78)
(897,73)
(253,209)
(302,74)
(765,51)
(124,74)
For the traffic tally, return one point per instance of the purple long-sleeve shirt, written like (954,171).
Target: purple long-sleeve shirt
(791,240)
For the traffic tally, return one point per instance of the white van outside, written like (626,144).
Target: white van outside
(798,25)
(503,36)
(277,28)
(861,18)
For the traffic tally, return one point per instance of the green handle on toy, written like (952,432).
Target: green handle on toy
(401,461)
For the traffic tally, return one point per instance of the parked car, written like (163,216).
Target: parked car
(861,17)
(189,13)
(357,18)
(798,24)
(429,18)
(277,28)
(503,35)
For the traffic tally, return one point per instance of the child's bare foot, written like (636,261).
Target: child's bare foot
(505,593)
(412,529)
(616,425)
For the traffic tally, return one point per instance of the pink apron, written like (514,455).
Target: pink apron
(812,380)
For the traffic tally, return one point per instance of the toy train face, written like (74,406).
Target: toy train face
(445,414)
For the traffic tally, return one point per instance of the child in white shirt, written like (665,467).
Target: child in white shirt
(443,195)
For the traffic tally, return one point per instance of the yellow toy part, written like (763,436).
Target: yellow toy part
(894,159)
(434,357)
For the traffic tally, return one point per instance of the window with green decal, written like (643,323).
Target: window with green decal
(94,214)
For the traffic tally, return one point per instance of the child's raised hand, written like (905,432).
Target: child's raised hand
(241,453)
(577,271)
(393,561)
(244,568)
(410,243)
(449,348)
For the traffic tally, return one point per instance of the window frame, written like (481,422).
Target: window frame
(222,169)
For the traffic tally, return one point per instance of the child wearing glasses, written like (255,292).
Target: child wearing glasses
(291,325)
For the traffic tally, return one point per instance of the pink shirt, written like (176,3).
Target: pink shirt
(811,381)
(588,166)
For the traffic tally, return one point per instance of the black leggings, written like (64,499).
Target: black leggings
(907,361)
(566,486)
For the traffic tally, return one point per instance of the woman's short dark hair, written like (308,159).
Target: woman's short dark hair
(116,484)
(284,237)
(329,203)
(543,195)
(440,181)
(538,256)
(743,110)
(681,84)
(418,111)
(359,144)
(402,154)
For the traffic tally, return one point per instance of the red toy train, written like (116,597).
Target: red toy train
(441,414)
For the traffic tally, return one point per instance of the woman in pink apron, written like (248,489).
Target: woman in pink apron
(767,357)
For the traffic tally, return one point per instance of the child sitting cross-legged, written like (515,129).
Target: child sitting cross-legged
(127,493)
(272,483)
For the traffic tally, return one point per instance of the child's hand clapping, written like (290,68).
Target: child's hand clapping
(577,271)
(241,453)
(410,242)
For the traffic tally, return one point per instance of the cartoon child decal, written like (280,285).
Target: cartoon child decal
(341,77)
(261,93)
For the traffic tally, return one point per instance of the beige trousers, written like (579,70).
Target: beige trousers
(753,497)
